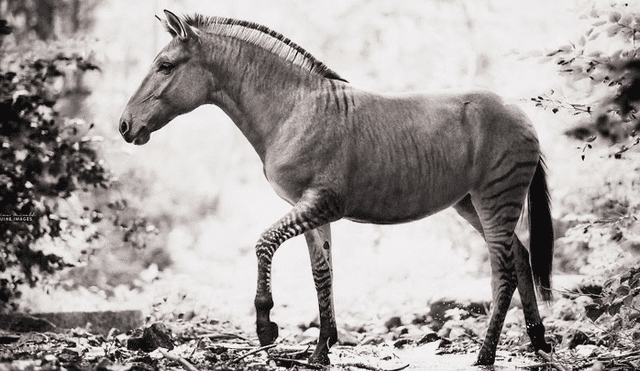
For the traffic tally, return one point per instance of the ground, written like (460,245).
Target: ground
(446,337)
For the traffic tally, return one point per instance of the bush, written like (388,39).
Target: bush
(58,201)
(44,160)
(601,73)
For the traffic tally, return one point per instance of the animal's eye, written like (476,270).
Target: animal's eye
(166,67)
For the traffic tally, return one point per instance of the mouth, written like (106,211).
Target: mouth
(141,137)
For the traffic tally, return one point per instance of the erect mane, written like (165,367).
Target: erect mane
(263,37)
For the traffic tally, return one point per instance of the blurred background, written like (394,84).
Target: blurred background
(199,185)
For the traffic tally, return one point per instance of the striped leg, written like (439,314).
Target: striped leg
(535,328)
(499,207)
(503,284)
(319,242)
(315,208)
(503,276)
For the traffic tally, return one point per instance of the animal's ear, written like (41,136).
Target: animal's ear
(178,28)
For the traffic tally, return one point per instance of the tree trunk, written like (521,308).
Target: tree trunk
(44,27)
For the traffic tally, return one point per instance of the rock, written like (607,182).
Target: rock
(457,333)
(393,322)
(19,322)
(438,310)
(586,351)
(8,339)
(103,364)
(96,322)
(372,339)
(574,338)
(399,331)
(428,338)
(597,366)
(477,308)
(309,336)
(379,330)
(444,332)
(402,342)
(152,337)
(347,337)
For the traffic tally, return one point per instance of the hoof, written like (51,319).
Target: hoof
(322,359)
(543,346)
(267,333)
(536,334)
(484,361)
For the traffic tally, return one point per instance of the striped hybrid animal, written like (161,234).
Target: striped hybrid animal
(334,151)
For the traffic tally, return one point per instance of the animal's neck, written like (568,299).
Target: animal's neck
(258,90)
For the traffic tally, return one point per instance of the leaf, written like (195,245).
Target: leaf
(628,300)
(617,324)
(608,283)
(565,48)
(623,290)
(614,308)
(583,40)
(615,17)
(613,30)
(589,31)
(594,311)
(626,20)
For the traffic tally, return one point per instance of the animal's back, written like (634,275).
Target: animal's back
(420,153)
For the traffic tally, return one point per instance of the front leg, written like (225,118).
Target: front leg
(319,242)
(315,208)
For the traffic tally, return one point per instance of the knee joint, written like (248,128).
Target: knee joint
(263,303)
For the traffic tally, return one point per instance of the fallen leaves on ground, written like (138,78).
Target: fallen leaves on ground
(193,345)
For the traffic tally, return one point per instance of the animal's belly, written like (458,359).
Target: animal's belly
(401,208)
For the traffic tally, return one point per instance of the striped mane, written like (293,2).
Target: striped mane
(263,37)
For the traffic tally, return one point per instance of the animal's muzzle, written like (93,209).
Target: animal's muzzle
(138,138)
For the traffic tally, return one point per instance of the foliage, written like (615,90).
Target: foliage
(48,19)
(617,306)
(50,175)
(44,159)
(601,73)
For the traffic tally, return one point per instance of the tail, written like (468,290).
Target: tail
(541,232)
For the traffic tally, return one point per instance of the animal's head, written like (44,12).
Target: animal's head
(177,83)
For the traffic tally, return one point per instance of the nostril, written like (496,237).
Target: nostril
(124,127)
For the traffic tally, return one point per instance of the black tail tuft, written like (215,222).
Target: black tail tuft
(541,231)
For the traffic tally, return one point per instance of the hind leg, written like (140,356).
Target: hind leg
(535,328)
(498,231)
(319,243)
(503,285)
